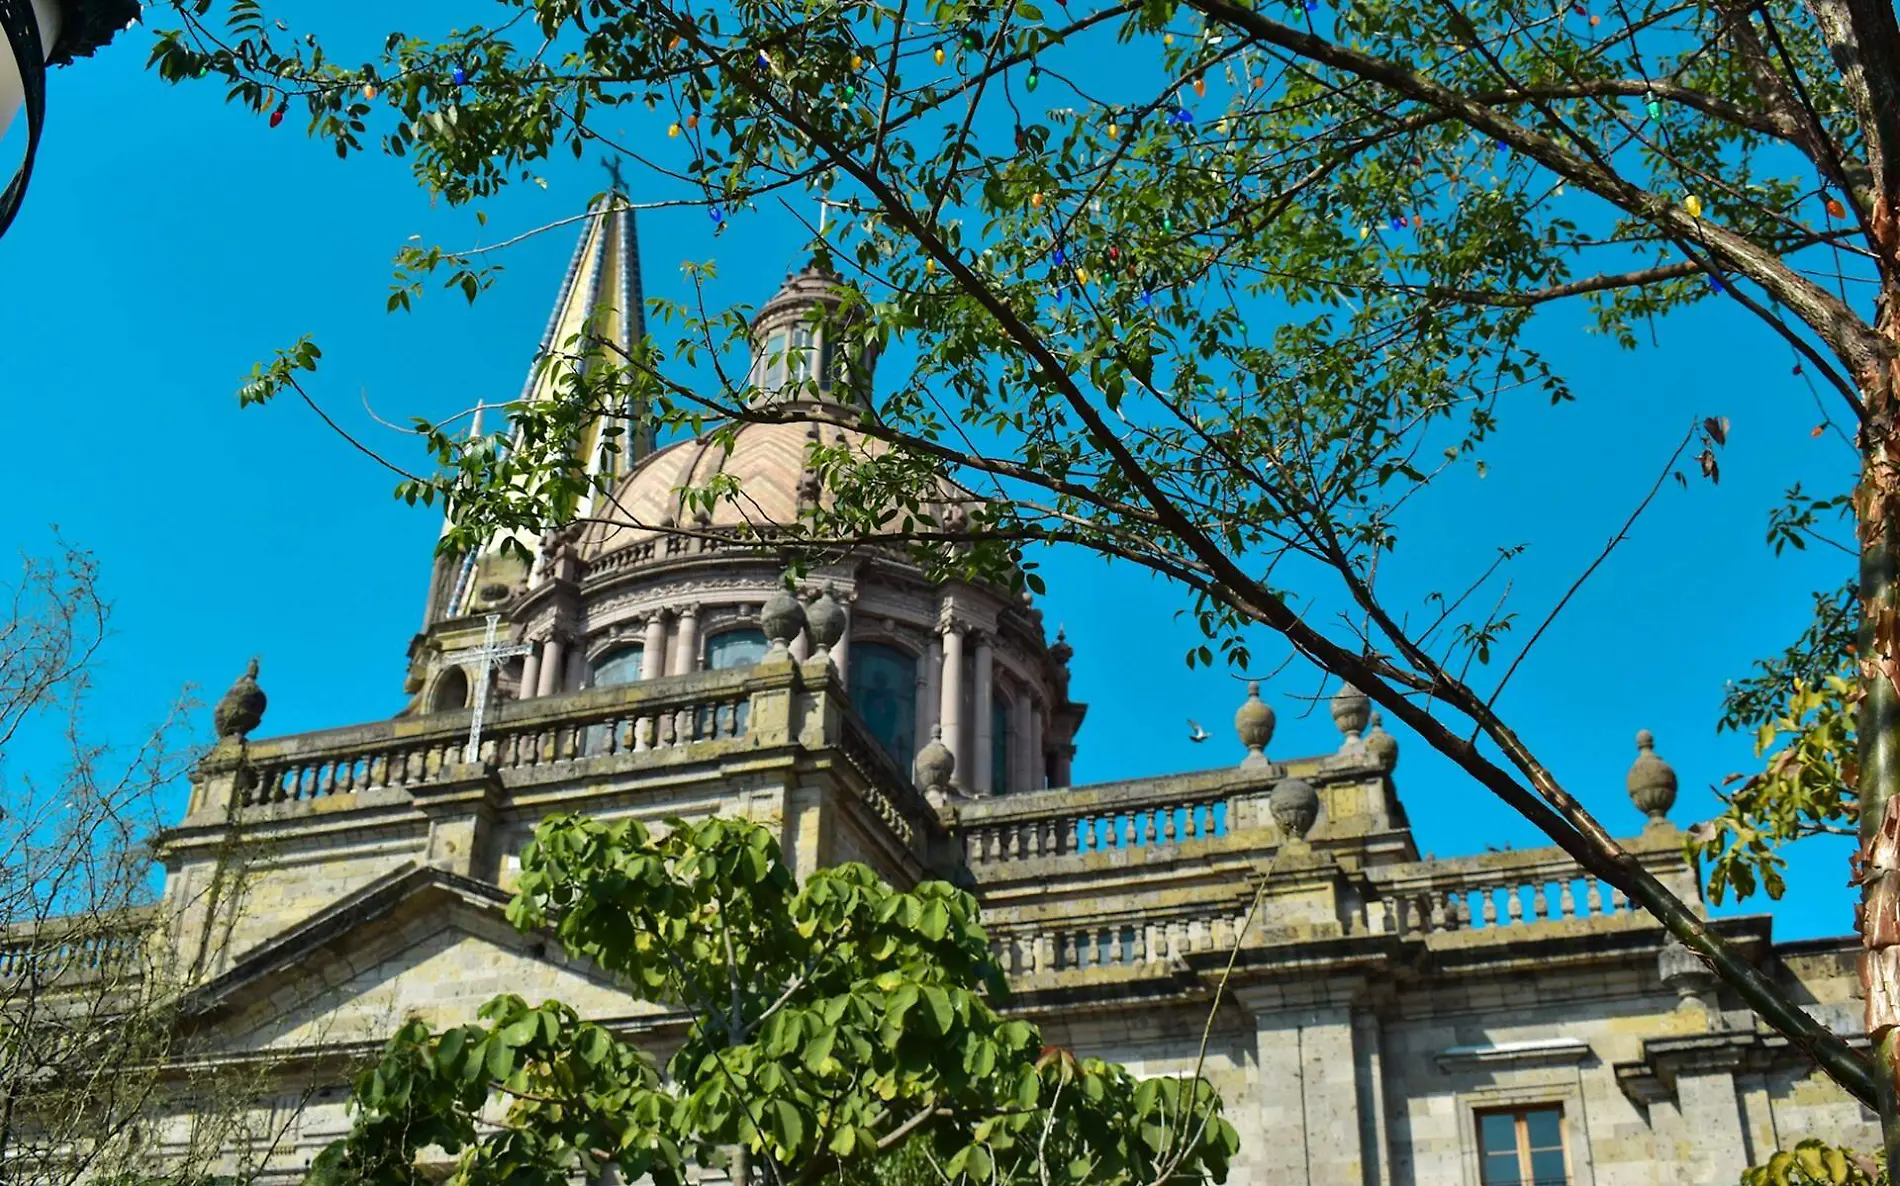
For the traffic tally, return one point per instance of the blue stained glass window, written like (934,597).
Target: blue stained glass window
(735,648)
(884,692)
(621,666)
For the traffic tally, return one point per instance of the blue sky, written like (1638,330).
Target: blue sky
(169,242)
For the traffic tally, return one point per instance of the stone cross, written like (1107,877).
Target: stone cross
(487,655)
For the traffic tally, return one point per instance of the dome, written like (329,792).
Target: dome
(766,461)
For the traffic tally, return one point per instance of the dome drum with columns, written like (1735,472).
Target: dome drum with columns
(661,583)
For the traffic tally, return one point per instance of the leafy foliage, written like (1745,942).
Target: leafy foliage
(831,1025)
(1800,706)
(1816,1163)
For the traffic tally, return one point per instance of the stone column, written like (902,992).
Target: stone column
(576,669)
(553,657)
(1310,1123)
(1022,763)
(653,648)
(1038,760)
(982,771)
(686,642)
(950,703)
(1062,765)
(1711,1116)
(841,650)
(801,646)
(531,673)
(929,680)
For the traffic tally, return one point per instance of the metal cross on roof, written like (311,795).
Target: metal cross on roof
(487,655)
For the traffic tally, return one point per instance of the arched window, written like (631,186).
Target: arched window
(884,691)
(999,744)
(451,691)
(735,648)
(618,666)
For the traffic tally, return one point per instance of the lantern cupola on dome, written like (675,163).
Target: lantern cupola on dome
(806,345)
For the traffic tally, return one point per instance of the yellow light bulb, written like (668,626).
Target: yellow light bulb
(938,56)
(857,61)
(1693,205)
(672,129)
(1167,39)
(1035,199)
(1082,275)
(1114,132)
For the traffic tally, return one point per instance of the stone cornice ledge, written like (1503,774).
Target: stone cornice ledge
(1537,1052)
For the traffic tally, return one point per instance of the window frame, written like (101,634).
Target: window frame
(1519,1114)
(1534,1083)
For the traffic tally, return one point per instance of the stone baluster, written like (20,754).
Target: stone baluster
(1596,897)
(1566,899)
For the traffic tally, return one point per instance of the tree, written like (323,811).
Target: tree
(1220,312)
(831,1026)
(90,992)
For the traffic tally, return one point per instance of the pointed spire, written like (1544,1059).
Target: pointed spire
(600,294)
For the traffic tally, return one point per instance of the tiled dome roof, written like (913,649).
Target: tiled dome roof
(766,460)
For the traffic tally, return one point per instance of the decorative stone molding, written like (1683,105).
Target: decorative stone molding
(1537,1052)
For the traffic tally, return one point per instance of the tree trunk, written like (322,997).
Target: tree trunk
(1878,784)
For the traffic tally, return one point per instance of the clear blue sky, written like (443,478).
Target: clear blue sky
(169,242)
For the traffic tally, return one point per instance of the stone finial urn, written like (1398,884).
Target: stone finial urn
(825,618)
(241,708)
(1350,708)
(934,766)
(782,618)
(1295,807)
(1651,781)
(1254,722)
(1381,747)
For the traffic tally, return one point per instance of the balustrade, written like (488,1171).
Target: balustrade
(53,958)
(1058,825)
(1110,943)
(635,726)
(1469,900)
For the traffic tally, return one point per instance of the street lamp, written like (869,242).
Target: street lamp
(42,33)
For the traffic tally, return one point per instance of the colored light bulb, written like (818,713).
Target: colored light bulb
(369,90)
(1693,205)
(1200,86)
(717,214)
(857,61)
(937,55)
(1033,80)
(277,116)
(458,76)
(1835,209)
(672,129)
(1058,257)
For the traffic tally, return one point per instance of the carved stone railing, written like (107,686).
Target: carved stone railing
(549,734)
(1511,890)
(1085,944)
(1151,813)
(63,953)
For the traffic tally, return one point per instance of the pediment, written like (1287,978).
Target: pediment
(420,943)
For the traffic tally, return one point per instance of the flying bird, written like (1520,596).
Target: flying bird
(1195,732)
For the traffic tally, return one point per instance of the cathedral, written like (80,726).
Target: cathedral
(1495,1019)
